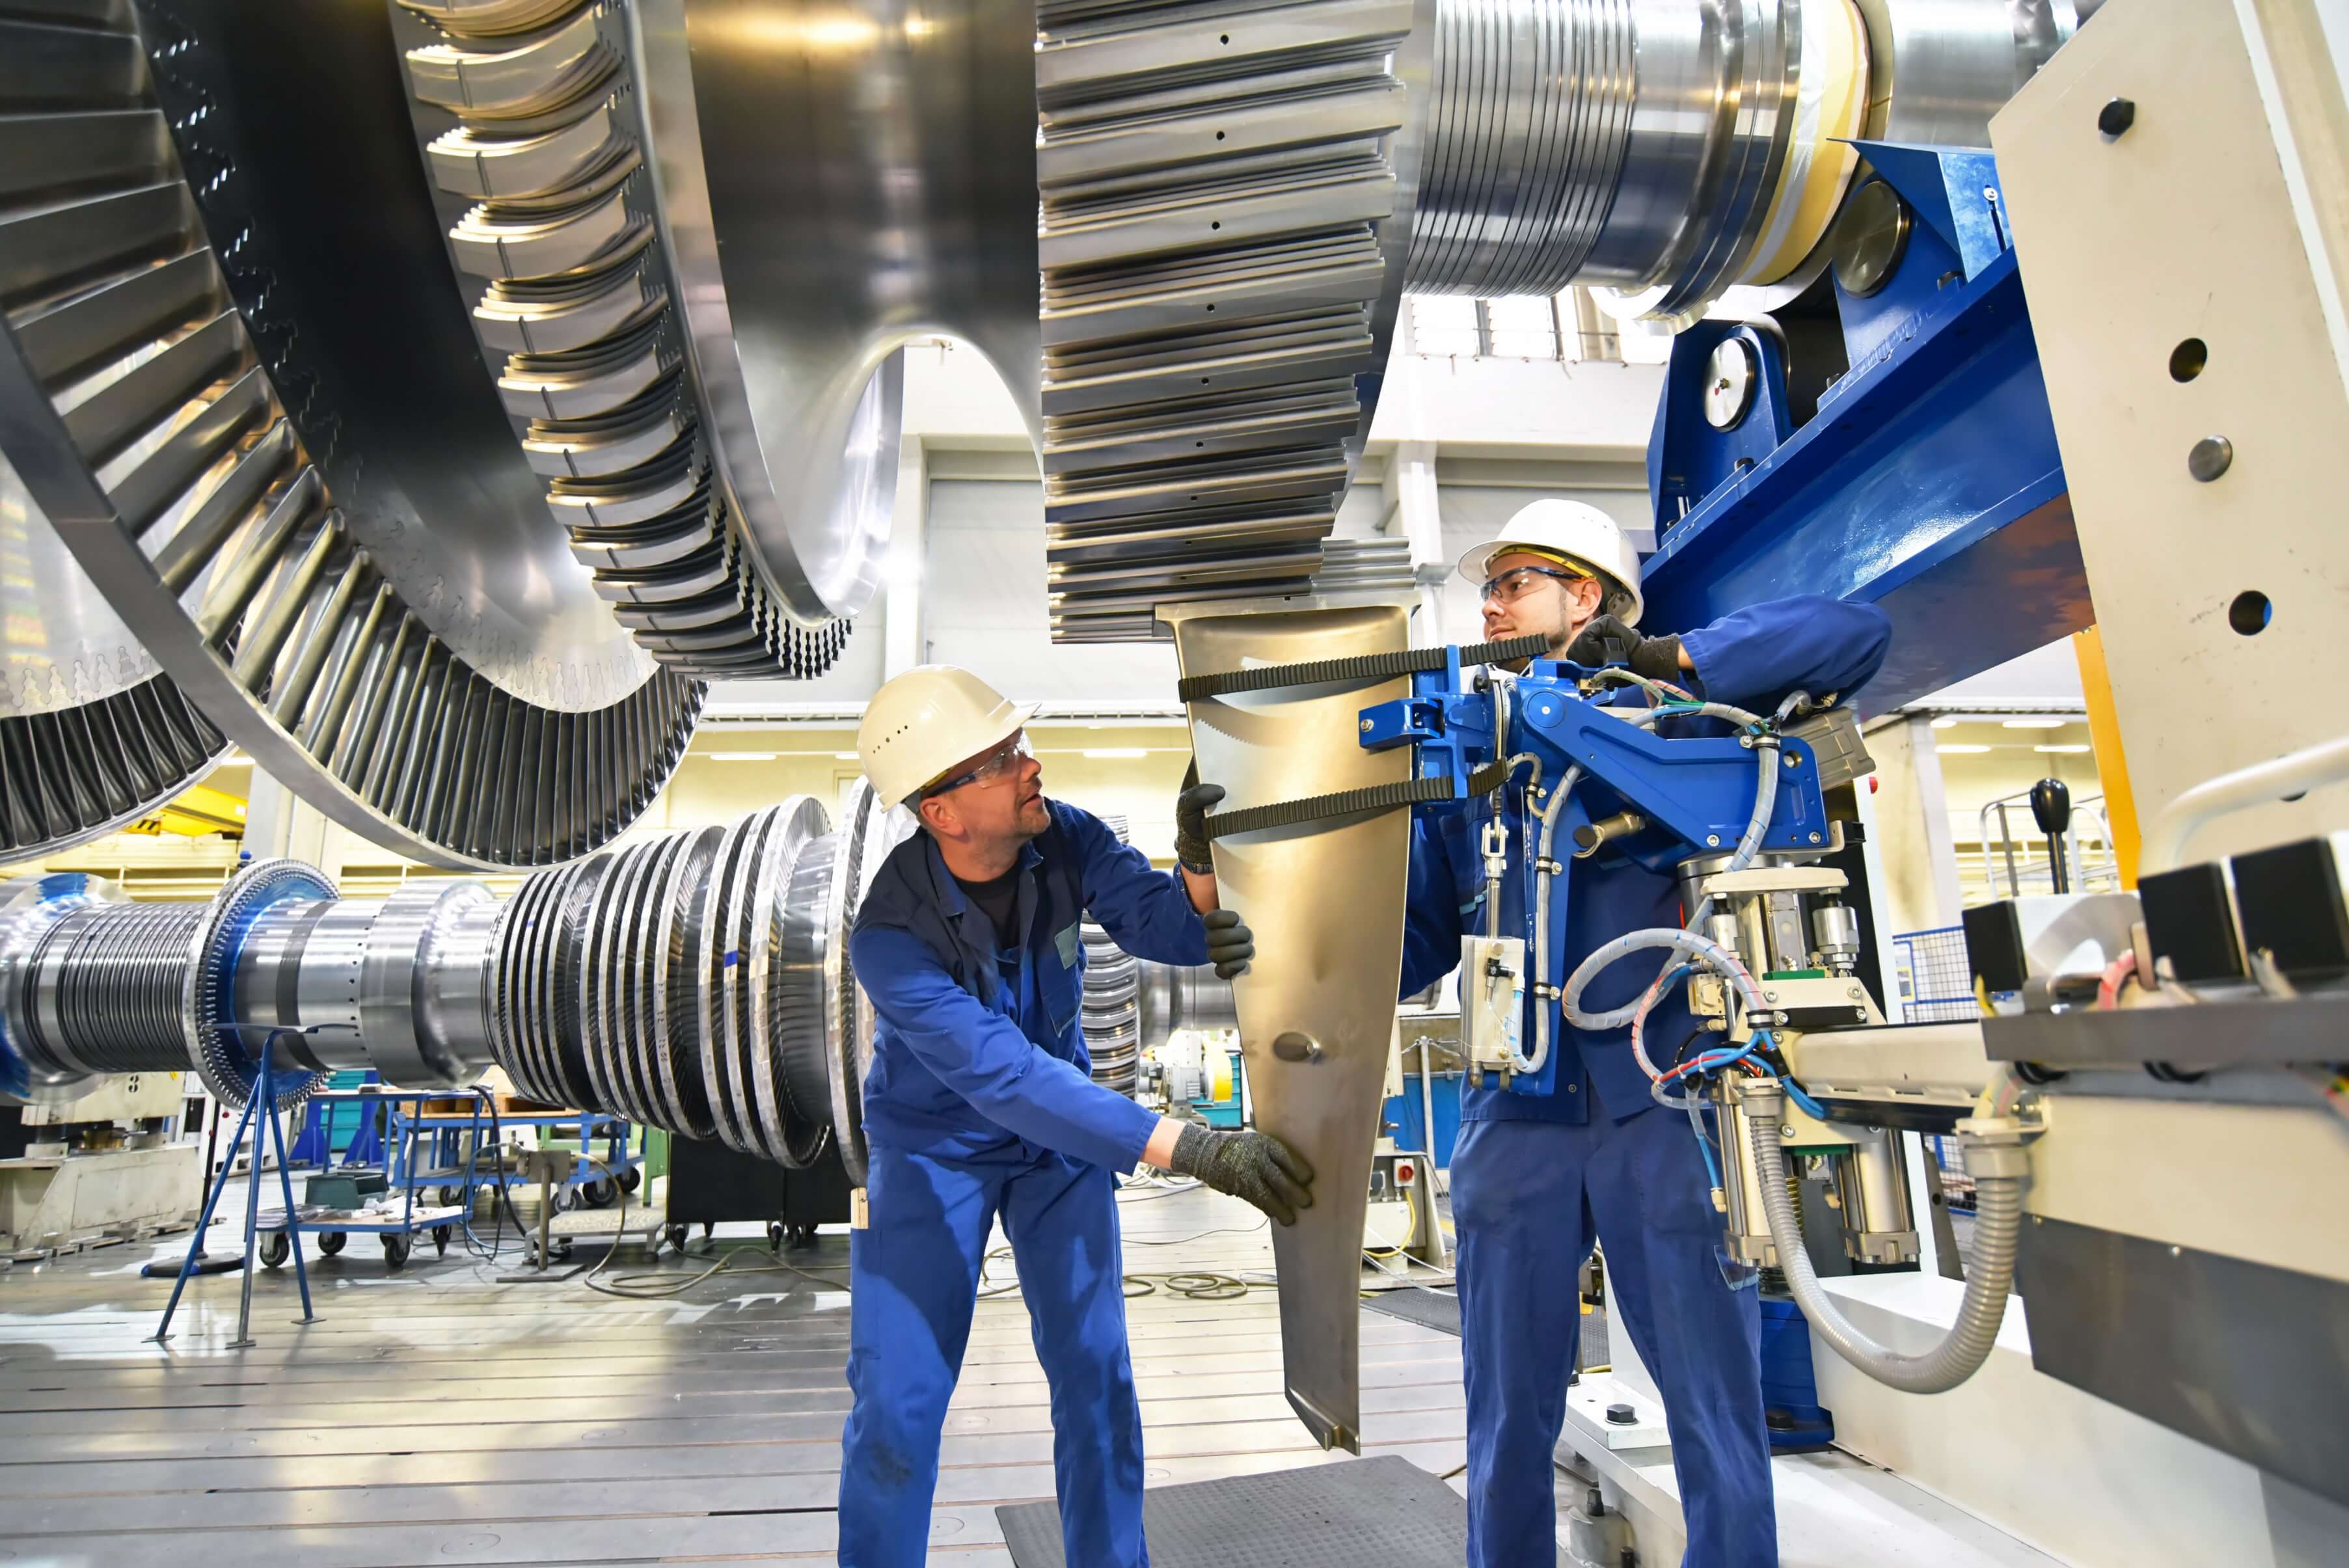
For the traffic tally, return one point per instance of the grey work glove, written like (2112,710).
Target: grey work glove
(1191,809)
(1230,944)
(1604,640)
(1256,1166)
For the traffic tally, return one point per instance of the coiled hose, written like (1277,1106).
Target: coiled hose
(1990,1271)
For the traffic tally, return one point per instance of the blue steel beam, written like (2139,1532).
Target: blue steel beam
(1928,483)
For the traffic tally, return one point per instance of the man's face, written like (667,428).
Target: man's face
(1004,805)
(1529,603)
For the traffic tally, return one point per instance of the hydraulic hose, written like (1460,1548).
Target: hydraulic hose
(2001,1170)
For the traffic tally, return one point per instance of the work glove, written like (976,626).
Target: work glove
(1256,1166)
(1604,640)
(1191,809)
(1230,944)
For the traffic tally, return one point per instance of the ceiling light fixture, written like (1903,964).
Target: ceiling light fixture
(2061,750)
(1960,750)
(2032,723)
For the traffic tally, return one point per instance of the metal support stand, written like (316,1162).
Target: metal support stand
(261,1114)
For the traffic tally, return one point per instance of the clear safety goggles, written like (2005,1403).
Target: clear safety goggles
(1514,583)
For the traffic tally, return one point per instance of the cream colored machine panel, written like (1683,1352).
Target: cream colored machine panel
(2198,395)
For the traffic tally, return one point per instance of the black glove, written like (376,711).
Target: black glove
(1256,1166)
(1191,809)
(1604,640)
(1230,944)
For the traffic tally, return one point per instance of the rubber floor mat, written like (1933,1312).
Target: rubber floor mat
(1360,1513)
(1424,1305)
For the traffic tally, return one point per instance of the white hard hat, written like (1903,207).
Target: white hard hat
(925,721)
(1575,530)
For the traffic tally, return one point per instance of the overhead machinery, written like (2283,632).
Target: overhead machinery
(430,397)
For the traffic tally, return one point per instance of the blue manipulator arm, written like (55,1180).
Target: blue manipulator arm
(1653,798)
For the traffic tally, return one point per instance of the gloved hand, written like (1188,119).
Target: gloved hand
(1191,809)
(1604,640)
(1256,1166)
(1230,944)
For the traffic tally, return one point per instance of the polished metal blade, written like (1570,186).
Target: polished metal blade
(1325,900)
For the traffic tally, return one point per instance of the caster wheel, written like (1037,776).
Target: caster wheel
(565,1200)
(440,1241)
(803,1237)
(395,1251)
(275,1248)
(450,1197)
(631,1179)
(775,1233)
(600,1194)
(673,1236)
(563,1249)
(331,1241)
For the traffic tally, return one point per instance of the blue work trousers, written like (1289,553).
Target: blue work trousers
(1528,1200)
(914,1281)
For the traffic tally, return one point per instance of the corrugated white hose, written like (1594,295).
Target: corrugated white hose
(1989,1269)
(1534,1061)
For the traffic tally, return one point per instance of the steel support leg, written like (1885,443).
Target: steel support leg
(196,1241)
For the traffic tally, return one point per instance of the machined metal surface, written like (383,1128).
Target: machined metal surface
(2239,1355)
(1219,191)
(144,413)
(541,151)
(1325,899)
(2220,1033)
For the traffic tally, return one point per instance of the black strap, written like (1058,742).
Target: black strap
(1363,666)
(1350,802)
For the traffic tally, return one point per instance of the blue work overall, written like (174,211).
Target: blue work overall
(979,1104)
(1535,1182)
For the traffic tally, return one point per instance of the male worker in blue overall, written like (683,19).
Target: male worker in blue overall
(979,1105)
(1536,1181)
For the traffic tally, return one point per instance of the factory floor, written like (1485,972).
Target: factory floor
(440,1415)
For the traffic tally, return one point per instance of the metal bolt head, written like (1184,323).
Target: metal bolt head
(2211,455)
(1713,840)
(1366,726)
(1769,996)
(1793,760)
(1815,838)
(2176,1251)
(2118,115)
(1786,1129)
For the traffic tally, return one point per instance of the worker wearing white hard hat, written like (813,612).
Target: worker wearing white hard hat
(1535,1181)
(979,1104)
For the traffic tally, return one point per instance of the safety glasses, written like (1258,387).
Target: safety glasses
(1515,583)
(998,763)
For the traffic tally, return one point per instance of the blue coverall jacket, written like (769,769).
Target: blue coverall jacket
(979,1105)
(1534,1181)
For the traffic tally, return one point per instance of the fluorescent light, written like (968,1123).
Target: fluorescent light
(743,756)
(843,757)
(2059,750)
(1960,750)
(1945,723)
(1109,753)
(2032,724)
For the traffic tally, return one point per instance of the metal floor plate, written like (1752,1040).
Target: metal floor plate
(1386,1511)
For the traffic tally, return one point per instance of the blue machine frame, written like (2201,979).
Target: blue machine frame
(1927,484)
(1697,792)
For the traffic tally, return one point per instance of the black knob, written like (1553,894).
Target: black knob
(1621,1415)
(2050,805)
(2116,116)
